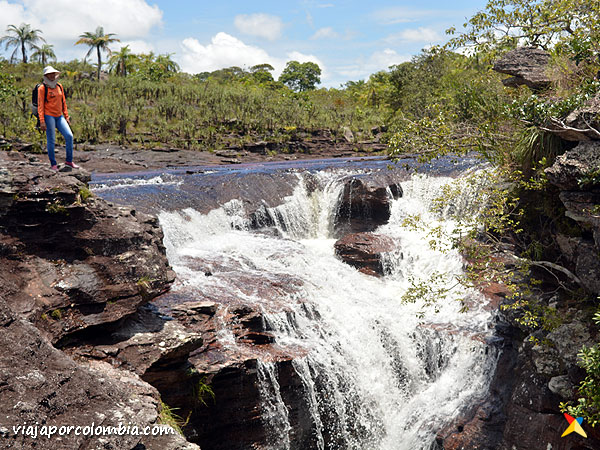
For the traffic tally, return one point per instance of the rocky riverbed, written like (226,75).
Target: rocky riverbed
(92,332)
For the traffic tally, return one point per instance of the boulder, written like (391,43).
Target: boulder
(570,169)
(364,251)
(581,124)
(527,66)
(364,203)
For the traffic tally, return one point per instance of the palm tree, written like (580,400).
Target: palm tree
(122,61)
(21,37)
(43,53)
(99,41)
(166,64)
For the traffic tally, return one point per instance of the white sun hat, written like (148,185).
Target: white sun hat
(50,69)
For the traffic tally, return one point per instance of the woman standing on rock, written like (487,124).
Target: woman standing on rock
(53,114)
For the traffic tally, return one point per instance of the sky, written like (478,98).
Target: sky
(348,39)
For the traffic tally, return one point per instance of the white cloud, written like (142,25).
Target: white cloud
(379,60)
(62,21)
(386,58)
(325,33)
(420,34)
(225,50)
(261,25)
(135,46)
(400,14)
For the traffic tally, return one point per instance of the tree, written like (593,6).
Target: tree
(261,73)
(99,41)
(21,37)
(43,53)
(166,64)
(570,25)
(122,61)
(301,76)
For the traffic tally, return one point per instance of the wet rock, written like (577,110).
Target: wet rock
(365,203)
(527,66)
(364,251)
(570,169)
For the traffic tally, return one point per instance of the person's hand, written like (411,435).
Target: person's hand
(69,121)
(43,126)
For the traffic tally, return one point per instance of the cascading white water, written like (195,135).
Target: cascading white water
(377,373)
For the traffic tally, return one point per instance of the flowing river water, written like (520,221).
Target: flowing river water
(377,373)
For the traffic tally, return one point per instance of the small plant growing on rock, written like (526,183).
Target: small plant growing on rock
(83,194)
(56,314)
(56,207)
(167,416)
(202,391)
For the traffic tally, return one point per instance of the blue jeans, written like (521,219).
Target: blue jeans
(52,123)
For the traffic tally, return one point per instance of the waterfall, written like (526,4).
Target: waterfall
(377,373)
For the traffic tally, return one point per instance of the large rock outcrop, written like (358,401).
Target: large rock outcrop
(75,269)
(527,66)
(577,174)
(72,261)
(40,385)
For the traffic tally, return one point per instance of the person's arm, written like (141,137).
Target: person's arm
(42,106)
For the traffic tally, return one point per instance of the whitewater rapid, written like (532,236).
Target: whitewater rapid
(378,373)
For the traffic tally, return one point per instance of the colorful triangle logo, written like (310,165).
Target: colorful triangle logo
(574,426)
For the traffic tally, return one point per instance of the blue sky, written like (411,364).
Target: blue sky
(348,39)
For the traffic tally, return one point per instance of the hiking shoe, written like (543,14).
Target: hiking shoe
(71,165)
(54,167)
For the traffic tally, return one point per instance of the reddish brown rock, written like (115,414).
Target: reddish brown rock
(365,203)
(364,250)
(71,261)
(41,385)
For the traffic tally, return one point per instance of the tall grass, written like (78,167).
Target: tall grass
(188,113)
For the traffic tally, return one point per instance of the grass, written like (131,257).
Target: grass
(185,112)
(167,416)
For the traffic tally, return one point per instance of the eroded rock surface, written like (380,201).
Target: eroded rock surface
(75,267)
(527,66)
(72,261)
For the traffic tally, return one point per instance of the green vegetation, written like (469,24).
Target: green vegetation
(83,194)
(588,403)
(21,37)
(301,76)
(167,416)
(57,207)
(146,104)
(99,41)
(202,391)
